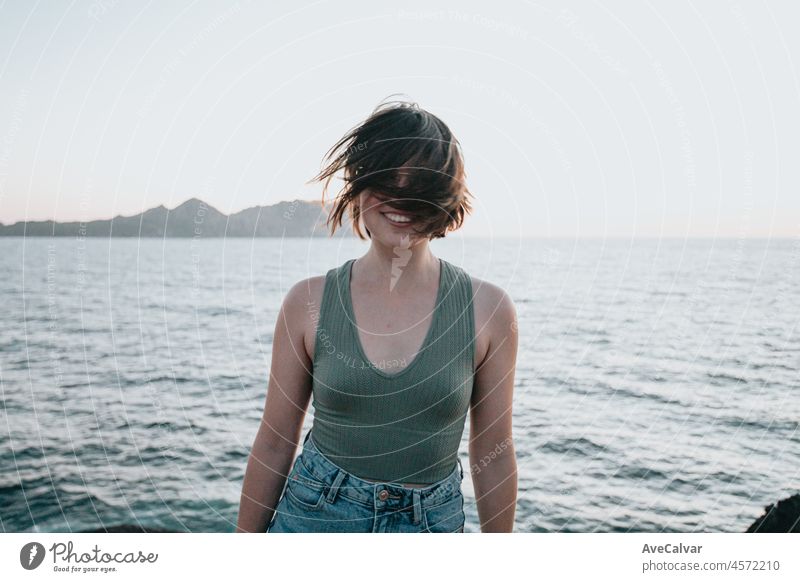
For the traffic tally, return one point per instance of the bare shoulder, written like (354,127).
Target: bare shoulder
(492,303)
(495,316)
(301,309)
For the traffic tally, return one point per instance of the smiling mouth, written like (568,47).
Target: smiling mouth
(397,218)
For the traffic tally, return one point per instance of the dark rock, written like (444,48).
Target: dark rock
(783,517)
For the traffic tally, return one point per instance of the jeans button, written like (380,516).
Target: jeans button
(383,495)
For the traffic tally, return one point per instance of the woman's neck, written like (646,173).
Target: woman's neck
(398,268)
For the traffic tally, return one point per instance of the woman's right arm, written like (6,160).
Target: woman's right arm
(288,395)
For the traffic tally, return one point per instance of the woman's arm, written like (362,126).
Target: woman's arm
(288,394)
(493,461)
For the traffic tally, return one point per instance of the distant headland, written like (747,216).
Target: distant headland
(195,219)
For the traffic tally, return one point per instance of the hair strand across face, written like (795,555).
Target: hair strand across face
(406,155)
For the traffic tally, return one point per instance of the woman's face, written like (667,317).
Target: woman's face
(387,225)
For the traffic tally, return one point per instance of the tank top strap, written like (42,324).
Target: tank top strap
(457,319)
(332,320)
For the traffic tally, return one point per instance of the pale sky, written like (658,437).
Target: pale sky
(614,119)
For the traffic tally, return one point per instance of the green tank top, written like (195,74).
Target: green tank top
(405,426)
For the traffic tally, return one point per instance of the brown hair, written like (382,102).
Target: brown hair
(400,138)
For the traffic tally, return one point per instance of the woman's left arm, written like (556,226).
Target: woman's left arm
(493,463)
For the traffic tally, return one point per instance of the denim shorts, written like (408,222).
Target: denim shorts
(320,496)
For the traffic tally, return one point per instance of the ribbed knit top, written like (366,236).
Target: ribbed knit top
(402,427)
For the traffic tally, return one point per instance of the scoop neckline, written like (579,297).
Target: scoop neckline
(425,343)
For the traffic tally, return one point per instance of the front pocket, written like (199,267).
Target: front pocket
(307,494)
(447,517)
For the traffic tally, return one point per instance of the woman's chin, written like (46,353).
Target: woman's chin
(390,237)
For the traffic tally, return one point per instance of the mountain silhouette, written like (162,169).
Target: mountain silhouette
(194,218)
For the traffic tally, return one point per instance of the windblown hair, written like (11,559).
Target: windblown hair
(400,139)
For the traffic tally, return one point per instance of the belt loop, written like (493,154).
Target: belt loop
(308,434)
(417,506)
(340,475)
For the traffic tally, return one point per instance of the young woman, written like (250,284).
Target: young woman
(395,347)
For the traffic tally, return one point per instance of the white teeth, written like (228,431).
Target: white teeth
(397,217)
